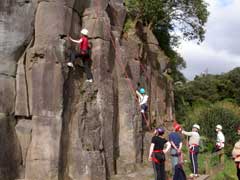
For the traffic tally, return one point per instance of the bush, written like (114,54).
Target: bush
(226,114)
(129,24)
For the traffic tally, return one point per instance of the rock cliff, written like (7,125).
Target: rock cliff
(53,124)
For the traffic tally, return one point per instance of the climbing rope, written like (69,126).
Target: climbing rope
(75,10)
(146,75)
(130,84)
(127,77)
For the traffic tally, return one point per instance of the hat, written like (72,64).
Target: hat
(84,32)
(196,126)
(142,90)
(160,131)
(176,126)
(219,126)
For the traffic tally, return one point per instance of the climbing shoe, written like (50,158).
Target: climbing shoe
(89,80)
(193,175)
(70,64)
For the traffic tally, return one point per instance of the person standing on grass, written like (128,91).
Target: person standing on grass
(220,139)
(194,141)
(236,154)
(157,153)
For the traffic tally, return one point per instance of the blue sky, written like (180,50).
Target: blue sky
(220,52)
(225,2)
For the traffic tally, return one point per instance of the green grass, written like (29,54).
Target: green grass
(229,172)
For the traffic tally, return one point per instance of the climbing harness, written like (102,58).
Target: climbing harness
(191,148)
(154,158)
(146,75)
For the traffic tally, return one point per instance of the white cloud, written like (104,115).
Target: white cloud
(220,51)
(200,58)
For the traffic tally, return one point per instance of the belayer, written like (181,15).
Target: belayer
(84,54)
(157,153)
(176,146)
(194,141)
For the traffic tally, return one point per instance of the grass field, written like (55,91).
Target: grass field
(229,172)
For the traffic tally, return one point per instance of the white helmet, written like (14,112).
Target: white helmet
(219,126)
(84,32)
(196,126)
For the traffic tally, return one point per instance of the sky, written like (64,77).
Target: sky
(220,51)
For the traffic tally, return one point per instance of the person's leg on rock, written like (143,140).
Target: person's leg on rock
(144,116)
(73,56)
(87,68)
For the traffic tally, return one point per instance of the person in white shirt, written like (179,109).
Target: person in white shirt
(143,99)
(220,139)
(194,141)
(236,154)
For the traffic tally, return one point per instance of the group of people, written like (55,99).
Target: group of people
(160,146)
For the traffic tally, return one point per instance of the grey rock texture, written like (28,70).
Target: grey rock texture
(16,18)
(53,124)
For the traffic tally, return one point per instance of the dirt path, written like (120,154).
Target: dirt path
(142,173)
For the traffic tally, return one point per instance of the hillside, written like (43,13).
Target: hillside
(208,89)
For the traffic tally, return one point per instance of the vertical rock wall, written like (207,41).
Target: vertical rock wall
(56,126)
(16,18)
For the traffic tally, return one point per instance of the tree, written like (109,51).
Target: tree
(186,16)
(207,90)
(165,18)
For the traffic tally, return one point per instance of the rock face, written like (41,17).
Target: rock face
(53,124)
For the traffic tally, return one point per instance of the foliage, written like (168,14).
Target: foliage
(129,24)
(211,115)
(166,41)
(210,100)
(166,18)
(229,171)
(206,90)
(189,17)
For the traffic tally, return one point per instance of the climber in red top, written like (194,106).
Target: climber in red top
(83,54)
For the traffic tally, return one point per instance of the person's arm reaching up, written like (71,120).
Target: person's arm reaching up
(138,94)
(76,41)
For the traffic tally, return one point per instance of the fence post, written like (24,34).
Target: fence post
(222,158)
(207,167)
